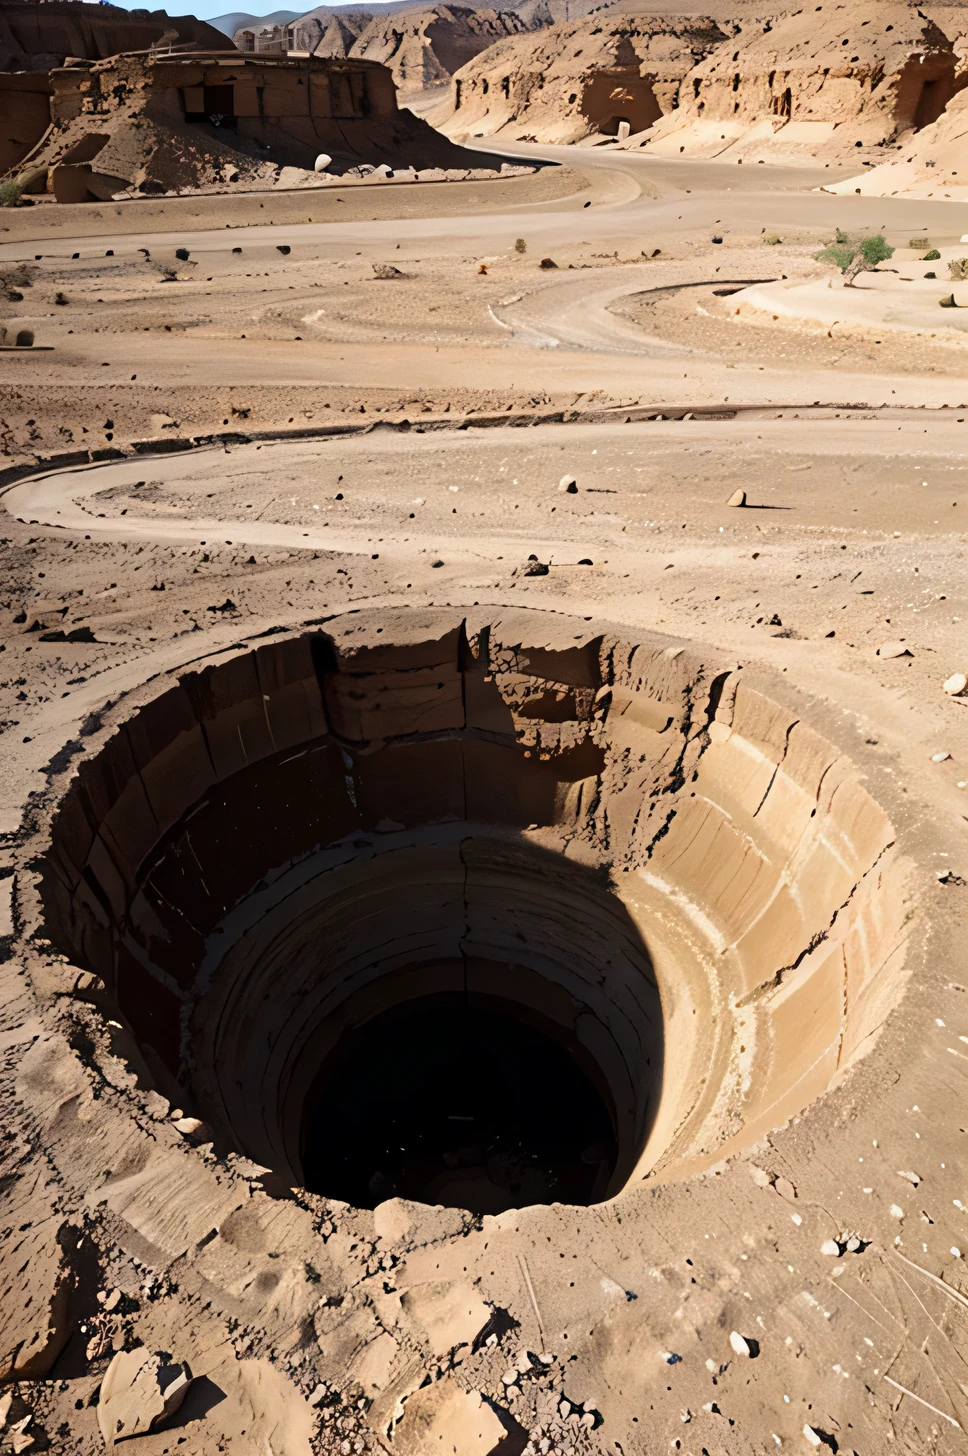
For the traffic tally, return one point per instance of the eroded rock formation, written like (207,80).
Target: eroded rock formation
(321,33)
(39,37)
(934,163)
(425,47)
(577,79)
(827,82)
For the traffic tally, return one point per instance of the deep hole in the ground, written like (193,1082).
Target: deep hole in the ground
(594,891)
(446,1100)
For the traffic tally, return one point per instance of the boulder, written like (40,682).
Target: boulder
(138,1392)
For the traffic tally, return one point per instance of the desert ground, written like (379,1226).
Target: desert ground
(510,468)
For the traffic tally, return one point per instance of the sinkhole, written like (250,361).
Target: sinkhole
(479,909)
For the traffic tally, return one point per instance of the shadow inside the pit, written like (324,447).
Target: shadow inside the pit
(498,1087)
(449,1100)
(348,957)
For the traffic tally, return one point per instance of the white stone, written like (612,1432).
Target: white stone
(831,1248)
(321,162)
(941,757)
(894,649)
(955,684)
(811,1436)
(739,1345)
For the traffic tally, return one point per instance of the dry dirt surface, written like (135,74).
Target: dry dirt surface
(484,829)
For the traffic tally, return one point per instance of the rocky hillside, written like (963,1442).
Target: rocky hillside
(425,47)
(828,83)
(326,32)
(577,79)
(934,163)
(40,37)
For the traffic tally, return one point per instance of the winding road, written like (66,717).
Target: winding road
(564,323)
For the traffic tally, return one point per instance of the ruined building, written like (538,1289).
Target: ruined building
(149,124)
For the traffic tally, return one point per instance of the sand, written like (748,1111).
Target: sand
(779,809)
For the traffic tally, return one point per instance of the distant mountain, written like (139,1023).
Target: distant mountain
(229,24)
(236,19)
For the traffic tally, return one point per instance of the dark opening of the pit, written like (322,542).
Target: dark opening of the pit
(450,1100)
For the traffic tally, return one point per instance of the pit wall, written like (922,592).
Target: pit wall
(758,873)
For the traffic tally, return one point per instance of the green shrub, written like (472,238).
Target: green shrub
(855,254)
(931,257)
(520,246)
(772,239)
(11,193)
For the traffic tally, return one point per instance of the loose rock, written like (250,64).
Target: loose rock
(955,684)
(139,1391)
(894,649)
(738,498)
(739,1345)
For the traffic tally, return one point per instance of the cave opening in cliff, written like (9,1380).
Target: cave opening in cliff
(458,1101)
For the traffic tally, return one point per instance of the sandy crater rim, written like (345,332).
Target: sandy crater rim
(618,844)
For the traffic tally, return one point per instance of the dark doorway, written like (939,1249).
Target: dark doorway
(218,106)
(932,101)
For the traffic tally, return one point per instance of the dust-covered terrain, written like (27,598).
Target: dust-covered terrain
(487,644)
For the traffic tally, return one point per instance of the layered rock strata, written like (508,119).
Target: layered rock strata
(39,37)
(578,79)
(234,863)
(423,48)
(825,83)
(626,840)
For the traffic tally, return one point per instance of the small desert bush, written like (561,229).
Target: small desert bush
(918,243)
(772,239)
(520,246)
(958,269)
(857,253)
(11,193)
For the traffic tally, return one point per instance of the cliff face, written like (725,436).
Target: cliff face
(828,83)
(24,115)
(425,47)
(324,34)
(934,163)
(573,80)
(40,37)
